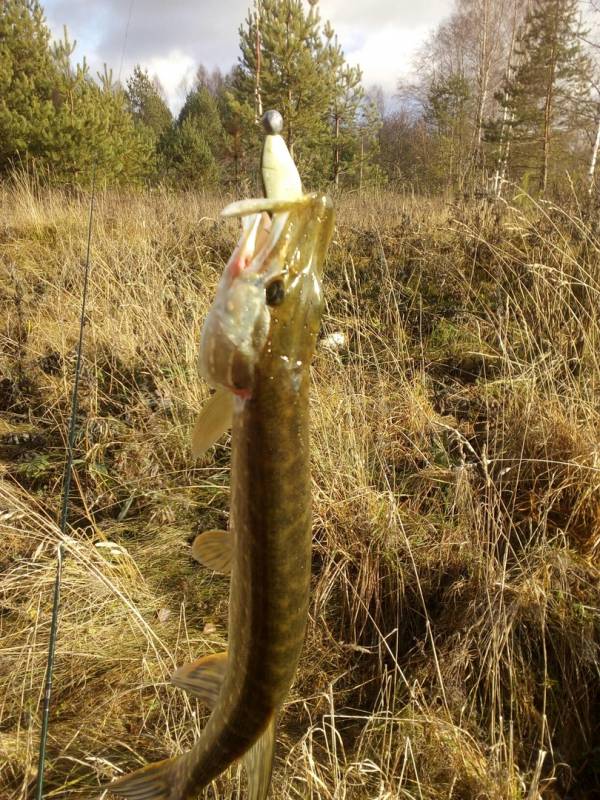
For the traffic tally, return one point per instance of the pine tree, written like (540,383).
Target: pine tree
(191,163)
(27,82)
(232,153)
(200,106)
(147,104)
(290,63)
(53,116)
(548,87)
(152,117)
(370,123)
(194,148)
(292,79)
(346,96)
(92,129)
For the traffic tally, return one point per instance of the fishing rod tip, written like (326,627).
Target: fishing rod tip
(272,122)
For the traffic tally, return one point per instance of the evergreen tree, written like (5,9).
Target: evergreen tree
(346,95)
(370,123)
(152,117)
(227,132)
(547,88)
(55,117)
(147,104)
(200,106)
(292,79)
(27,82)
(290,63)
(234,150)
(191,163)
(92,128)
(194,149)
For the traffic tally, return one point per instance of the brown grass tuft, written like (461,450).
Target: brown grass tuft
(453,645)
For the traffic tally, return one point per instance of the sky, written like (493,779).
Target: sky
(171,37)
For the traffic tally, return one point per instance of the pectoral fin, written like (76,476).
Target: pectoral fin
(202,678)
(258,762)
(213,549)
(214,420)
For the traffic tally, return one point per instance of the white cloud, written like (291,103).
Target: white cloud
(383,36)
(171,39)
(372,16)
(176,73)
(387,55)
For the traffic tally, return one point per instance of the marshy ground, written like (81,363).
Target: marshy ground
(454,635)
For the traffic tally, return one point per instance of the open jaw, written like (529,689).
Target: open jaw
(263,276)
(263,224)
(237,325)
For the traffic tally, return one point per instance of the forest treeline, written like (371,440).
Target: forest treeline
(506,94)
(507,91)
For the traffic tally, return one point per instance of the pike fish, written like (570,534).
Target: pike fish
(256,348)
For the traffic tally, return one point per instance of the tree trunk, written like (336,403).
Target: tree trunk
(594,158)
(483,80)
(362,160)
(549,105)
(336,158)
(257,92)
(507,116)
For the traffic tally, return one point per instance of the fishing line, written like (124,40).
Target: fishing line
(66,488)
(125,40)
(67,476)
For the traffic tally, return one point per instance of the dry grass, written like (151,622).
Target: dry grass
(454,636)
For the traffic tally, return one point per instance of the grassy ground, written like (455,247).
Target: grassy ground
(454,636)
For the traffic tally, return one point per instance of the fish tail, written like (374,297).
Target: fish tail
(258,762)
(152,782)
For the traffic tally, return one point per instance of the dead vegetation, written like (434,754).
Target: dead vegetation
(454,635)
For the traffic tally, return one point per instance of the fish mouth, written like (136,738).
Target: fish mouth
(274,273)
(274,229)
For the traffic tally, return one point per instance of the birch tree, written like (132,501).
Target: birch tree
(502,130)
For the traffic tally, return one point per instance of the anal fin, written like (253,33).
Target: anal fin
(213,549)
(214,420)
(258,761)
(202,678)
(152,782)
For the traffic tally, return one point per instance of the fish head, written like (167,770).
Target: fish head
(270,293)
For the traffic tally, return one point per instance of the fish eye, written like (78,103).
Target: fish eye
(275,292)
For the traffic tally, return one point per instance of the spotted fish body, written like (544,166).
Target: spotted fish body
(262,374)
